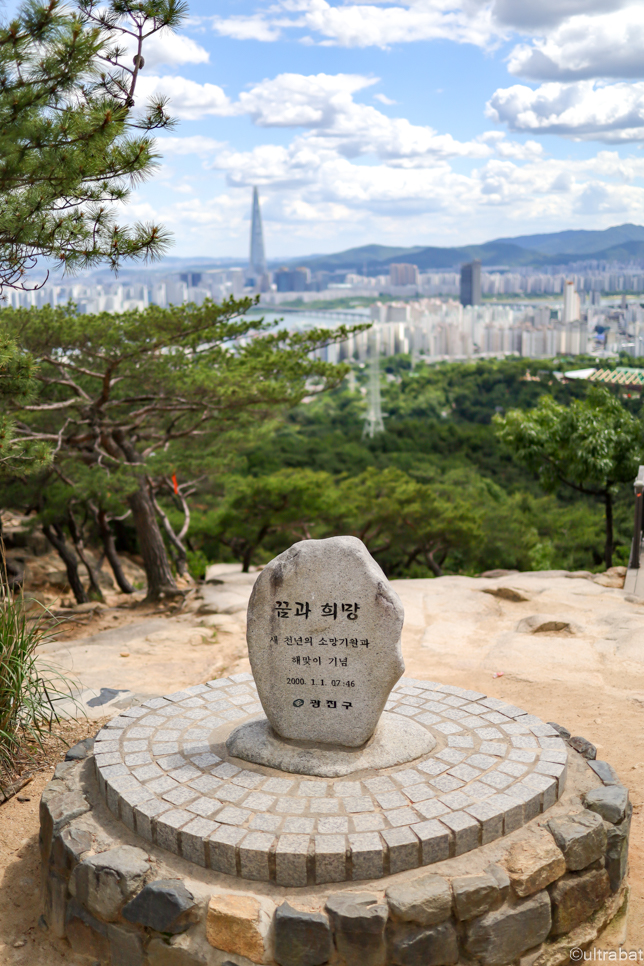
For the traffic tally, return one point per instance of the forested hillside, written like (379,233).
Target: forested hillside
(437,492)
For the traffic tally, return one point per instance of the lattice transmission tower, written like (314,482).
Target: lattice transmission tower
(373,421)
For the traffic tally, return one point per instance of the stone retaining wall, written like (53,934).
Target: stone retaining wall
(527,898)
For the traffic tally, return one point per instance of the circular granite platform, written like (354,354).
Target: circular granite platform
(165,771)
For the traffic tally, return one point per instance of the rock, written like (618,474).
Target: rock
(103,883)
(610,802)
(507,593)
(358,921)
(617,853)
(501,878)
(576,897)
(581,838)
(85,934)
(533,863)
(565,734)
(396,740)
(161,905)
(58,808)
(238,924)
(332,598)
(410,946)
(301,938)
(474,895)
(426,900)
(54,903)
(604,771)
(216,600)
(499,937)
(126,946)
(544,624)
(68,848)
(161,953)
(498,573)
(584,747)
(80,751)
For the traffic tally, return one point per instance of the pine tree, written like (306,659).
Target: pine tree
(72,145)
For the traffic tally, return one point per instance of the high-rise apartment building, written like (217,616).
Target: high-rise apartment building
(257,266)
(403,274)
(571,306)
(471,283)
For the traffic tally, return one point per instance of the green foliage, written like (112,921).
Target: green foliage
(71,147)
(27,689)
(592,446)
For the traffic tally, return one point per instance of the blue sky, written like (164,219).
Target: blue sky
(399,122)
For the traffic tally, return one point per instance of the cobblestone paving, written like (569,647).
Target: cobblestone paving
(164,771)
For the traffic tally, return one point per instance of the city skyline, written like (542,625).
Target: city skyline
(443,121)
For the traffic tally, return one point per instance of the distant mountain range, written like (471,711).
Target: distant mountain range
(622,243)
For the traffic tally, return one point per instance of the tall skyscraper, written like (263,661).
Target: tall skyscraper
(471,283)
(403,274)
(571,303)
(257,266)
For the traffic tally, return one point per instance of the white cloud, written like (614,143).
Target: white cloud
(188,100)
(195,144)
(366,25)
(586,47)
(296,100)
(585,111)
(167,49)
(546,14)
(247,28)
(384,99)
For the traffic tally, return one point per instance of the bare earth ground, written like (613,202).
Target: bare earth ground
(584,671)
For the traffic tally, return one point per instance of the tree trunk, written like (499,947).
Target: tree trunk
(155,558)
(436,569)
(109,547)
(67,555)
(95,591)
(172,537)
(608,550)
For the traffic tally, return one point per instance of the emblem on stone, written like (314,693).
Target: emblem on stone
(324,641)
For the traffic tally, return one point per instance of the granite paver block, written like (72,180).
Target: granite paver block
(313,789)
(368,822)
(265,823)
(446,783)
(404,849)
(254,852)
(401,816)
(496,748)
(465,829)
(166,828)
(334,825)
(419,793)
(330,858)
(278,786)
(204,806)
(222,849)
(465,772)
(347,789)
(180,795)
(367,855)
(290,859)
(324,806)
(380,784)
(460,741)
(207,783)
(530,798)
(144,812)
(456,800)
(432,809)
(248,779)
(432,767)
(298,825)
(522,754)
(231,815)
(448,727)
(231,793)
(514,768)
(490,815)
(391,799)
(192,839)
(547,785)
(452,755)
(434,841)
(291,806)
(226,770)
(362,803)
(161,785)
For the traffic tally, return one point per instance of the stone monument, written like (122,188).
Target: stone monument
(324,644)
